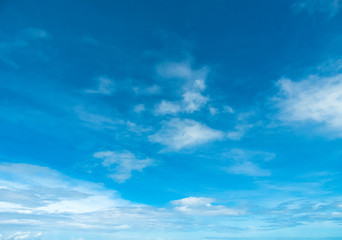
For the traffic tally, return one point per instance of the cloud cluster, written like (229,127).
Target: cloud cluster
(192,99)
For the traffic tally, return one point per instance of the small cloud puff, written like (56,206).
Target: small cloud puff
(105,86)
(177,134)
(122,164)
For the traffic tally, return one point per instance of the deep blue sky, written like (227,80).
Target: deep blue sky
(170,120)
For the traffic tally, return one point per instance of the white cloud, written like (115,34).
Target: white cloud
(331,7)
(193,85)
(167,107)
(105,86)
(313,100)
(239,132)
(177,134)
(194,101)
(139,108)
(244,162)
(203,206)
(122,164)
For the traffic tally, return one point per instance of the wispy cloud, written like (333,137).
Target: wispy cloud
(330,7)
(203,206)
(139,108)
(244,162)
(177,134)
(122,164)
(105,86)
(19,42)
(315,100)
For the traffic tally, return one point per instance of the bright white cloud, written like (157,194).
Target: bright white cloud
(105,86)
(203,206)
(122,164)
(313,100)
(177,134)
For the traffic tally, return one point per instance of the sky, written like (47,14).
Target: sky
(170,120)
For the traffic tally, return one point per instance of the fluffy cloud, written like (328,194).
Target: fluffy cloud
(122,163)
(203,206)
(177,134)
(105,86)
(313,100)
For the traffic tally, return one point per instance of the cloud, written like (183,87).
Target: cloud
(139,108)
(167,107)
(248,168)
(194,101)
(105,86)
(182,70)
(22,42)
(193,81)
(151,90)
(177,134)
(330,7)
(244,162)
(203,206)
(122,164)
(239,132)
(315,100)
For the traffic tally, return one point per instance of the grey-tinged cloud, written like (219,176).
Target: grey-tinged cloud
(183,133)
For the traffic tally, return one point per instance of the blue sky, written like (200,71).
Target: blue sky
(170,120)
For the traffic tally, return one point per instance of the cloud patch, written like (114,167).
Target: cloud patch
(203,206)
(177,134)
(122,164)
(105,86)
(315,100)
